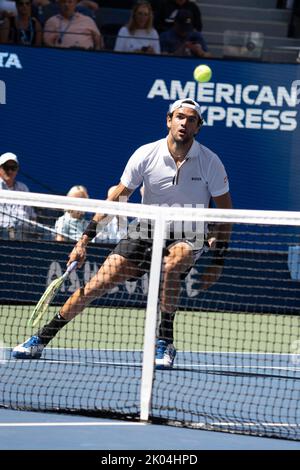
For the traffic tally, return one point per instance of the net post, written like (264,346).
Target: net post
(151,318)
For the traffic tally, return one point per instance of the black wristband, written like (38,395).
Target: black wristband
(91,230)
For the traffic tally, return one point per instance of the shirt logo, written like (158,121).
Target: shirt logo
(196,178)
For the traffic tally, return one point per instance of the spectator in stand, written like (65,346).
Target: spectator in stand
(168,9)
(139,35)
(44,9)
(23,28)
(71,29)
(182,39)
(14,219)
(72,224)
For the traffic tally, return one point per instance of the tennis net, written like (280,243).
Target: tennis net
(237,367)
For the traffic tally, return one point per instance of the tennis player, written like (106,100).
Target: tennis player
(176,170)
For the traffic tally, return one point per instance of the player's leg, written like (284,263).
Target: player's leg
(115,270)
(179,259)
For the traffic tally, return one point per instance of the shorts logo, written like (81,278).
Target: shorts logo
(196,178)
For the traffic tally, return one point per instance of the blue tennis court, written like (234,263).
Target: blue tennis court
(240,392)
(24,430)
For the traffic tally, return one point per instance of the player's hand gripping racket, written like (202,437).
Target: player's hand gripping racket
(48,296)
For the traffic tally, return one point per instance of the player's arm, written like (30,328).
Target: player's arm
(79,251)
(218,242)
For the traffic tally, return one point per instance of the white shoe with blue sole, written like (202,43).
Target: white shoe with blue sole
(31,349)
(165,355)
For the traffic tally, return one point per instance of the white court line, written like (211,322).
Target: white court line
(178,351)
(234,367)
(226,367)
(75,423)
(194,425)
(243,424)
(279,425)
(70,362)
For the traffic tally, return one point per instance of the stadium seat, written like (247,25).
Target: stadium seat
(110,20)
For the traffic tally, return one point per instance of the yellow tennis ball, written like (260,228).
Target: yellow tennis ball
(202,73)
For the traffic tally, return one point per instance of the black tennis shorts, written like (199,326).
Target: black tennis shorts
(139,252)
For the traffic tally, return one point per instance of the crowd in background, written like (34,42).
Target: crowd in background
(147,26)
(18,222)
(152,27)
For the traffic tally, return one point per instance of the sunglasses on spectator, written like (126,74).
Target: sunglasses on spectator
(24,3)
(10,167)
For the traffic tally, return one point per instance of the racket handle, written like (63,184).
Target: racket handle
(72,267)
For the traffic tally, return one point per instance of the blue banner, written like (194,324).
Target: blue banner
(252,281)
(75,117)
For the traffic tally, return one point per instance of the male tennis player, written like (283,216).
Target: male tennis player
(174,170)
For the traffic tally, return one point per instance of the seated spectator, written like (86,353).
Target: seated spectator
(182,39)
(72,224)
(44,9)
(71,29)
(23,28)
(139,35)
(14,219)
(168,9)
(115,229)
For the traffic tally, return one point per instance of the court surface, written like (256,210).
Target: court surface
(55,375)
(216,381)
(24,430)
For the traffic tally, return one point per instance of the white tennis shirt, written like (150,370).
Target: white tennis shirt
(200,176)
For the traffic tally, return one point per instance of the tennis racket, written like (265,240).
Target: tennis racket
(48,296)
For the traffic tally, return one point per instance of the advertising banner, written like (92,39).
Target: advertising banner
(75,117)
(243,286)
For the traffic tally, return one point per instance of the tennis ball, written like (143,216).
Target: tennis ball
(202,73)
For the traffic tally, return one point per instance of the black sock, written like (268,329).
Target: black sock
(47,332)
(166,327)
